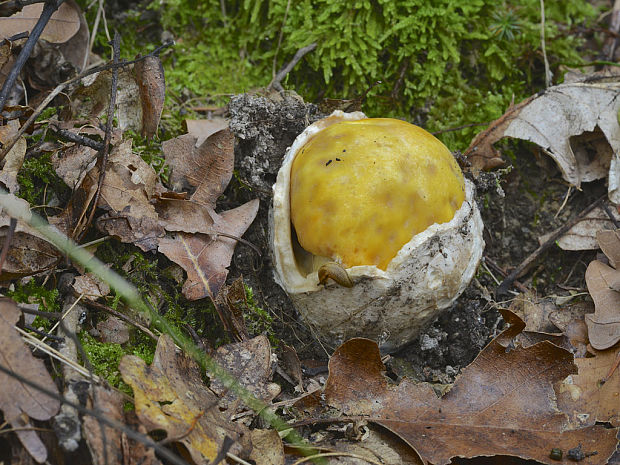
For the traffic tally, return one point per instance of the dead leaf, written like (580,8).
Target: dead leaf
(13,160)
(113,329)
(535,312)
(18,401)
(604,323)
(29,253)
(251,363)
(64,23)
(586,398)
(152,86)
(567,121)
(201,129)
(76,49)
(170,395)
(609,241)
(204,259)
(501,404)
(207,167)
(91,286)
(267,448)
(97,435)
(582,236)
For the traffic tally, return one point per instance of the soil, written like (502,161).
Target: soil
(518,204)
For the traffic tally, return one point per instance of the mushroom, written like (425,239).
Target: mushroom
(374,229)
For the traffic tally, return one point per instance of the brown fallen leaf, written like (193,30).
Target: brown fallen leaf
(209,164)
(12,162)
(566,121)
(609,241)
(251,363)
(267,448)
(501,404)
(588,397)
(152,86)
(604,323)
(18,401)
(201,129)
(171,396)
(64,23)
(29,253)
(204,259)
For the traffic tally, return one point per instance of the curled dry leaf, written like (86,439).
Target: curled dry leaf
(19,402)
(64,23)
(502,404)
(566,121)
(152,86)
(162,402)
(604,324)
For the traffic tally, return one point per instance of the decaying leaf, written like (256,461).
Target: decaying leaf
(18,401)
(12,162)
(205,259)
(250,362)
(588,397)
(113,329)
(209,164)
(201,129)
(267,448)
(502,404)
(91,286)
(170,396)
(152,85)
(609,241)
(64,23)
(604,323)
(29,253)
(582,236)
(569,122)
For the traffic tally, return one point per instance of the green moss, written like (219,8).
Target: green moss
(442,64)
(258,320)
(34,293)
(37,178)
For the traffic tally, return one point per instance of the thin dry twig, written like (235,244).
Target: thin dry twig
(120,316)
(548,75)
(276,82)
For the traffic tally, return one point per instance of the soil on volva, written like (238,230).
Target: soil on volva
(518,205)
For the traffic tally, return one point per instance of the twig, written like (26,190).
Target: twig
(77,138)
(46,315)
(276,82)
(239,239)
(96,414)
(116,43)
(120,316)
(531,259)
(13,6)
(458,128)
(48,10)
(337,454)
(44,334)
(612,218)
(542,41)
(60,87)
(614,26)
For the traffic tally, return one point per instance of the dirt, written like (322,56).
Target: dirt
(518,204)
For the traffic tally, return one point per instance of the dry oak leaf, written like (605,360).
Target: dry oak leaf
(568,122)
(586,398)
(170,395)
(18,401)
(203,128)
(501,404)
(604,323)
(609,241)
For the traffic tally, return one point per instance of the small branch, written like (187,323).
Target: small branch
(108,131)
(276,82)
(120,316)
(531,259)
(77,138)
(48,10)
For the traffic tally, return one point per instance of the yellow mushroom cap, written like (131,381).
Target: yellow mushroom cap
(360,190)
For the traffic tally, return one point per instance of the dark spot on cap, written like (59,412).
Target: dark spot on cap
(327,164)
